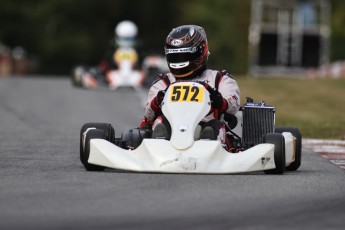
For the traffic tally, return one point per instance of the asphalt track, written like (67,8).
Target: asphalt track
(44,186)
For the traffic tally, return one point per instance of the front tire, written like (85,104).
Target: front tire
(298,154)
(77,75)
(108,134)
(107,128)
(279,152)
(84,155)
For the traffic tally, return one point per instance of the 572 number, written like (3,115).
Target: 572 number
(185,93)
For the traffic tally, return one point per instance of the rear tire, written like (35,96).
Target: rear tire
(298,154)
(279,152)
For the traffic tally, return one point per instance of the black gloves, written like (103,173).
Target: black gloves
(160,97)
(157,101)
(217,100)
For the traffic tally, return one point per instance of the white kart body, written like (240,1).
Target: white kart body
(183,154)
(125,75)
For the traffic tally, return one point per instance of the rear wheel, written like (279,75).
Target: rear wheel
(279,152)
(298,152)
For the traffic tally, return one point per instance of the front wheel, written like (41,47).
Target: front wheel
(279,152)
(85,153)
(77,76)
(107,128)
(109,135)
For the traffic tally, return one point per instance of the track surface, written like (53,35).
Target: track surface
(44,186)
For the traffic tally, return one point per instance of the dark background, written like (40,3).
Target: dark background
(60,34)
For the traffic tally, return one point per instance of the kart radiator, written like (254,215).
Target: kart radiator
(258,119)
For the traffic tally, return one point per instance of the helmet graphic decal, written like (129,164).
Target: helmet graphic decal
(181,50)
(176,42)
(191,31)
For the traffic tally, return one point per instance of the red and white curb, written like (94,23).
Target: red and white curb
(332,150)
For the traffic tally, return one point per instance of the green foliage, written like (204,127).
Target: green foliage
(60,32)
(64,33)
(338,30)
(315,106)
(226,24)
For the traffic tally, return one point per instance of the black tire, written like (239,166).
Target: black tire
(132,138)
(84,155)
(109,135)
(107,128)
(279,152)
(76,82)
(298,154)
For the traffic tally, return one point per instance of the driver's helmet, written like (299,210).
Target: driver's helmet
(125,33)
(186,51)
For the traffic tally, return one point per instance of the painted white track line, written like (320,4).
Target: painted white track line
(332,150)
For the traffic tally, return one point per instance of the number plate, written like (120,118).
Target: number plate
(186,93)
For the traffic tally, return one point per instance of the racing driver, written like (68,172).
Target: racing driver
(186,51)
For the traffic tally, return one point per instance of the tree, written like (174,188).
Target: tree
(226,24)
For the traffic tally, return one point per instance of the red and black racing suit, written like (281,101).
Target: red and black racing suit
(220,80)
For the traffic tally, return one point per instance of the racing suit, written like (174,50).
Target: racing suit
(220,80)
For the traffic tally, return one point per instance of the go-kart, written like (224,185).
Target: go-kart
(88,77)
(152,66)
(255,144)
(124,76)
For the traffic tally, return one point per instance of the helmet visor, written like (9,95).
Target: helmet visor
(181,54)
